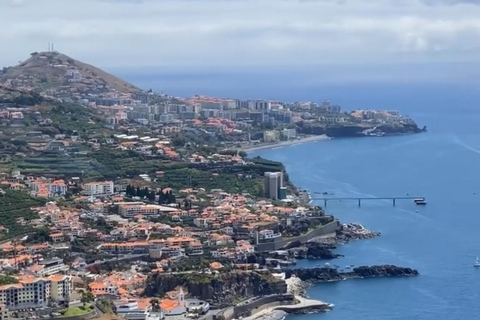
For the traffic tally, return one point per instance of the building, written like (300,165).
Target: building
(131,209)
(288,134)
(273,182)
(41,188)
(268,234)
(139,247)
(53,266)
(4,312)
(174,309)
(271,136)
(104,188)
(32,292)
(61,286)
(133,310)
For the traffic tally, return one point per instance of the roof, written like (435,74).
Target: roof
(168,304)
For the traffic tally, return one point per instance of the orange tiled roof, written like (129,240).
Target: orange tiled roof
(168,304)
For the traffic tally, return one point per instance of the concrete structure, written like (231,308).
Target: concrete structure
(273,182)
(281,242)
(104,188)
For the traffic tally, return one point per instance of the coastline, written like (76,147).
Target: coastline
(281,144)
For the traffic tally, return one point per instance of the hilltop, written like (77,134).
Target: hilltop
(54,72)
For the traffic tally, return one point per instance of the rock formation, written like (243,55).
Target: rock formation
(218,289)
(331,274)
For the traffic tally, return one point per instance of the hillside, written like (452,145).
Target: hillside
(16,205)
(56,71)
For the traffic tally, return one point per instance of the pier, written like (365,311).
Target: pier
(359,200)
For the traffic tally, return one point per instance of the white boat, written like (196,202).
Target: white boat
(477,263)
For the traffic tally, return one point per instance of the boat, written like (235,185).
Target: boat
(347,267)
(477,263)
(420,202)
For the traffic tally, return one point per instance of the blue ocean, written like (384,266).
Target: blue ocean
(441,239)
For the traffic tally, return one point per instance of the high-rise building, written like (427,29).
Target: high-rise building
(273,182)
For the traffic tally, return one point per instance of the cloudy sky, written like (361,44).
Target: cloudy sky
(423,39)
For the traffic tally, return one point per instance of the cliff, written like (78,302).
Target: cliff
(357,130)
(331,274)
(218,289)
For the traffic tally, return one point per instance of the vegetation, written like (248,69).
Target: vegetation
(40,235)
(76,311)
(15,205)
(87,296)
(6,279)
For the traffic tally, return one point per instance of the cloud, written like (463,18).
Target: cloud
(236,34)
(451,2)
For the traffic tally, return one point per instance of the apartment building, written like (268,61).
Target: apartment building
(131,209)
(48,189)
(61,286)
(138,247)
(32,292)
(104,188)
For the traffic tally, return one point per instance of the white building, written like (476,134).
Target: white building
(268,234)
(131,209)
(31,292)
(130,310)
(4,312)
(52,266)
(104,188)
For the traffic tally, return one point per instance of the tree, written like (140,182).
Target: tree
(87,297)
(41,235)
(154,304)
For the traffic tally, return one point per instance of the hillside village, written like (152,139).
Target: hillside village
(105,186)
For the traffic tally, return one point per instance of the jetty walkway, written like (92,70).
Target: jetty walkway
(393,199)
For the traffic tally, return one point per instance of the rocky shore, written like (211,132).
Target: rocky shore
(332,274)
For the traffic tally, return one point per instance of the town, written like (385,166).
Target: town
(107,191)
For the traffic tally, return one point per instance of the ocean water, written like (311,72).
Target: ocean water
(441,239)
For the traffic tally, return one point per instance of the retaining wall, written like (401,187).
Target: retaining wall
(282,242)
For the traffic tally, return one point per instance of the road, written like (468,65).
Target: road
(273,314)
(124,257)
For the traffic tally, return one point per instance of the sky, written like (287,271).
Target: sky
(347,40)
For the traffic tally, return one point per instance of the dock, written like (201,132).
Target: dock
(359,200)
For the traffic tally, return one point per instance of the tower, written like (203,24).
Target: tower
(181,297)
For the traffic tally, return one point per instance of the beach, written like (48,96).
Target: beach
(281,144)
